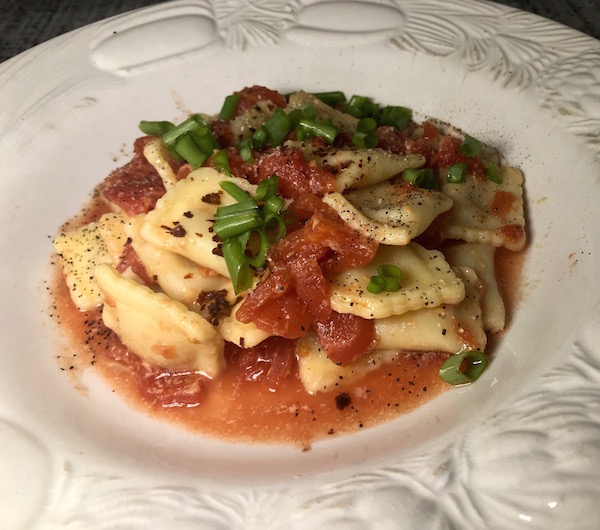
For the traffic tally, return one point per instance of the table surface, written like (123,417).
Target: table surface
(26,24)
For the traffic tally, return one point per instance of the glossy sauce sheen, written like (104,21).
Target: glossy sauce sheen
(242,404)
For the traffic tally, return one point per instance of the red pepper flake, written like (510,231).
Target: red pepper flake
(342,400)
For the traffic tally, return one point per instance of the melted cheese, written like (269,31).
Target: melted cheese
(392,214)
(472,219)
(157,154)
(178,277)
(450,328)
(319,374)
(427,281)
(160,330)
(182,221)
(480,258)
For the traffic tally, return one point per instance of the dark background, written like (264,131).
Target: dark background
(25,23)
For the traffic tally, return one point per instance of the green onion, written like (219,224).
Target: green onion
(376,284)
(273,205)
(245,147)
(267,188)
(366,125)
(451,369)
(470,146)
(492,172)
(387,279)
(192,124)
(275,227)
(155,128)
(365,139)
(235,209)
(258,258)
(236,192)
(457,173)
(397,117)
(331,98)
(277,127)
(419,177)
(237,224)
(222,162)
(237,265)
(314,128)
(295,116)
(228,107)
(187,148)
(259,138)
(309,111)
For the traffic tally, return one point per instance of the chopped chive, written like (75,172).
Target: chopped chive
(395,116)
(275,227)
(229,106)
(376,284)
(237,224)
(492,172)
(204,139)
(236,192)
(470,146)
(259,138)
(187,148)
(331,98)
(295,116)
(245,148)
(237,265)
(258,258)
(222,162)
(451,369)
(315,128)
(277,127)
(155,128)
(457,173)
(192,124)
(237,208)
(309,111)
(365,139)
(366,125)
(267,188)
(273,205)
(419,177)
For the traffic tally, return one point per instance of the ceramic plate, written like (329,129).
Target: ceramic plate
(520,446)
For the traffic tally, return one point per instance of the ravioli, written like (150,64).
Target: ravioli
(427,281)
(486,212)
(392,214)
(157,154)
(480,258)
(179,278)
(342,120)
(183,218)
(160,330)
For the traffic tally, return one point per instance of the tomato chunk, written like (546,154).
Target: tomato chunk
(250,96)
(345,337)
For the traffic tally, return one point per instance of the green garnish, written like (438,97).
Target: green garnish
(221,161)
(308,128)
(387,279)
(451,372)
(248,227)
(423,178)
(228,107)
(470,146)
(457,173)
(397,117)
(331,98)
(155,128)
(492,172)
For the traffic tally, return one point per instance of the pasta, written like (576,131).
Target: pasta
(308,240)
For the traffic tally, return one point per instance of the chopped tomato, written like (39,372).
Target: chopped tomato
(345,337)
(131,259)
(250,96)
(296,288)
(296,175)
(136,186)
(273,360)
(448,153)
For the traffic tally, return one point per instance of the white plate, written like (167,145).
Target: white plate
(521,446)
